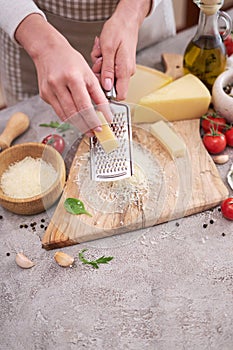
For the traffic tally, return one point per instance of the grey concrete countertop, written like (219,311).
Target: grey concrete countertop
(168,287)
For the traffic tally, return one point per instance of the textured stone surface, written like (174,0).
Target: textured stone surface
(168,287)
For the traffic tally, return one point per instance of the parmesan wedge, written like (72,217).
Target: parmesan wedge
(184,98)
(169,139)
(144,81)
(106,137)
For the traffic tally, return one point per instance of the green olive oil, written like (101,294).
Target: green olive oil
(205,57)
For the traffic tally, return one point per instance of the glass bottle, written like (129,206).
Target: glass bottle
(205,55)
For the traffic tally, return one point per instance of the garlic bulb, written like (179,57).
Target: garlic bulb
(63,259)
(23,261)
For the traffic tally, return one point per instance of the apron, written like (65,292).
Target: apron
(80,21)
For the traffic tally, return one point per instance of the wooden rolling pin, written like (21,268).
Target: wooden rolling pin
(16,125)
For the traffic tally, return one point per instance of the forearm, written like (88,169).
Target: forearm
(36,35)
(11,15)
(134,10)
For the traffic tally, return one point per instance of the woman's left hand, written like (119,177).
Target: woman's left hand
(114,52)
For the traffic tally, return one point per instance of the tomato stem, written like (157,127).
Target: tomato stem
(215,115)
(214,132)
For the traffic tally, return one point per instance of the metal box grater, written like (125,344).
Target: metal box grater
(118,164)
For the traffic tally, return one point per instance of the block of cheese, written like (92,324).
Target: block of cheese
(106,137)
(184,98)
(142,114)
(144,81)
(169,139)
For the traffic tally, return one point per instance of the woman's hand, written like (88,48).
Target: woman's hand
(65,80)
(114,53)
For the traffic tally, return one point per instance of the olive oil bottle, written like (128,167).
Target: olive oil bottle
(205,55)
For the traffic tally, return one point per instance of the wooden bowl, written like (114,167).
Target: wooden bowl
(41,202)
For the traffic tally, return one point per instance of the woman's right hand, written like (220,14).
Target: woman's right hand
(65,80)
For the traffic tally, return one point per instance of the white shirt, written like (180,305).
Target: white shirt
(11,15)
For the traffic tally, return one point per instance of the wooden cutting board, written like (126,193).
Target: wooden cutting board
(163,189)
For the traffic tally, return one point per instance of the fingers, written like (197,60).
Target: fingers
(72,89)
(74,105)
(108,67)
(51,99)
(97,67)
(86,118)
(123,74)
(66,101)
(86,121)
(124,69)
(96,50)
(106,110)
(116,66)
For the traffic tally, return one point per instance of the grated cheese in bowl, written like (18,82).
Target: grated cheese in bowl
(28,178)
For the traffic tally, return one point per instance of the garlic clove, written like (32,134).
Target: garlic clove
(221,159)
(23,261)
(63,259)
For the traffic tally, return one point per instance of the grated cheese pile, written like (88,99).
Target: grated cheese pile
(145,186)
(27,178)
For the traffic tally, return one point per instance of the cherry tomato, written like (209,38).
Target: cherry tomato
(213,121)
(229,137)
(229,48)
(227,208)
(215,142)
(228,42)
(56,141)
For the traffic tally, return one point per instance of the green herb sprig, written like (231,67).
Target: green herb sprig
(60,127)
(95,263)
(75,206)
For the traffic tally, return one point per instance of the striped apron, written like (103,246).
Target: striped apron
(79,21)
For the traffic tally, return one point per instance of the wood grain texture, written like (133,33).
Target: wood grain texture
(173,64)
(178,188)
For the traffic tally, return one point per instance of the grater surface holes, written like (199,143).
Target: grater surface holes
(115,164)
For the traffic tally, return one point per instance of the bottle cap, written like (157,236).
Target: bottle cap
(209,7)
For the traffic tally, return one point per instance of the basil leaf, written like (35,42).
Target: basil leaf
(75,206)
(63,127)
(60,127)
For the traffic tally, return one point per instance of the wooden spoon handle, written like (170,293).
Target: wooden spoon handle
(16,125)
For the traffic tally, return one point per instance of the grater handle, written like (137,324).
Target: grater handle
(111,94)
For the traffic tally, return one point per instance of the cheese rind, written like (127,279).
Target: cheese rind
(184,98)
(144,81)
(169,139)
(106,137)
